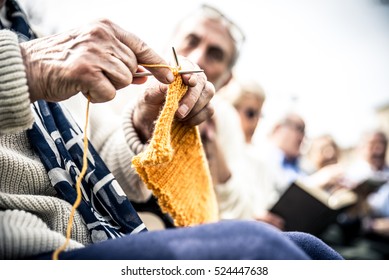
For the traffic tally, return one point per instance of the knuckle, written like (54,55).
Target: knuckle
(203,77)
(210,111)
(143,50)
(100,30)
(147,96)
(132,63)
(110,95)
(82,68)
(149,93)
(209,90)
(193,96)
(105,21)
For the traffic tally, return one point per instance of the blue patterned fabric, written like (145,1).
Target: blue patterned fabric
(58,140)
(18,21)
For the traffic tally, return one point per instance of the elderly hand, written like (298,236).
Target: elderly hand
(96,60)
(194,107)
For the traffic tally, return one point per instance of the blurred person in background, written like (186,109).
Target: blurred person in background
(322,164)
(281,151)
(248,97)
(323,151)
(371,161)
(362,232)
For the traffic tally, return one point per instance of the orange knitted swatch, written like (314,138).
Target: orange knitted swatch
(175,168)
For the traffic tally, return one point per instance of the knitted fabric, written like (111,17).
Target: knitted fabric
(175,168)
(15,112)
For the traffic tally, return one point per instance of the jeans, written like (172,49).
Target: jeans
(223,240)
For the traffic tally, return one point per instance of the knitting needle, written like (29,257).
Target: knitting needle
(181,72)
(176,58)
(144,74)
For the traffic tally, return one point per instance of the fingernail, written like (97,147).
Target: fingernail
(183,110)
(170,77)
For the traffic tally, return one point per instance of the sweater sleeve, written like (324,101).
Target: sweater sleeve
(118,150)
(15,112)
(24,235)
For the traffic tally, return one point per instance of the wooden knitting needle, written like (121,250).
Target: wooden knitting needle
(181,72)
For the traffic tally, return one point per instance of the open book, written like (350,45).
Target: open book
(369,185)
(311,210)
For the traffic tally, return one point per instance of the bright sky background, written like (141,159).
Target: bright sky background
(330,56)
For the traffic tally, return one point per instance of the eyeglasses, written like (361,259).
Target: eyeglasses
(235,31)
(251,113)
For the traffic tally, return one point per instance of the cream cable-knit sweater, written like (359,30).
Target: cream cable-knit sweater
(32,219)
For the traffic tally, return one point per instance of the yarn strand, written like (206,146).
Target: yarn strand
(78,188)
(173,69)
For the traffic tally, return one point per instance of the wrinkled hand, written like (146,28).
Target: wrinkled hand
(96,60)
(194,107)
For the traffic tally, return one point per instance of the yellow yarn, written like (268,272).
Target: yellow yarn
(78,189)
(175,168)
